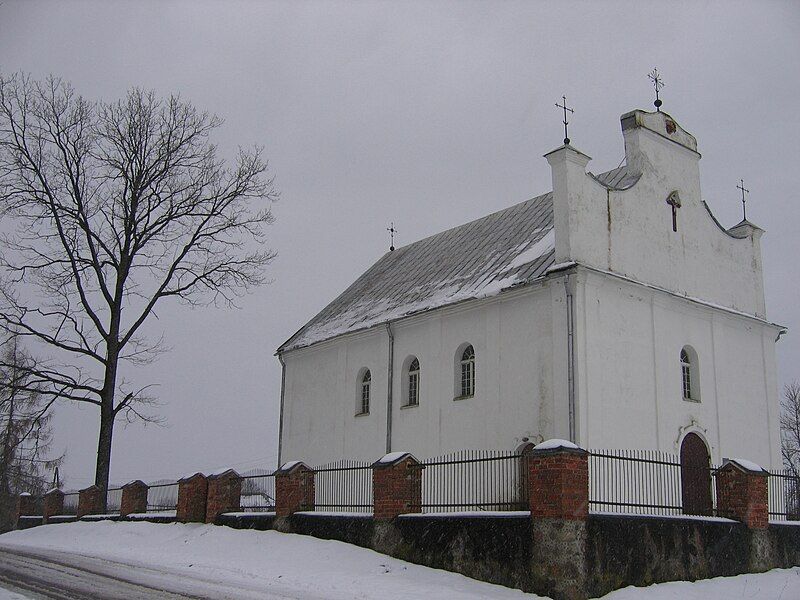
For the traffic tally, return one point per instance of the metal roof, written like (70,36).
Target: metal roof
(478,259)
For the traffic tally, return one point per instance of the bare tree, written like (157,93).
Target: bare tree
(790,427)
(114,207)
(25,433)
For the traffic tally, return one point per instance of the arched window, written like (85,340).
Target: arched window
(467,369)
(365,382)
(413,383)
(690,381)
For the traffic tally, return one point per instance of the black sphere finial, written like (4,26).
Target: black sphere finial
(566,141)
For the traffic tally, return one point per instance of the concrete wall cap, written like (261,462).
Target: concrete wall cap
(52,491)
(90,488)
(193,476)
(291,467)
(393,458)
(557,445)
(25,494)
(744,465)
(135,482)
(223,473)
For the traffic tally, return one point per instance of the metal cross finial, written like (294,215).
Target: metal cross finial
(391,231)
(566,122)
(658,83)
(744,200)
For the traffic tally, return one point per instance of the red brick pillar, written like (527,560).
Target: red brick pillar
(294,488)
(26,506)
(192,493)
(396,485)
(53,505)
(224,494)
(134,498)
(742,493)
(558,478)
(90,501)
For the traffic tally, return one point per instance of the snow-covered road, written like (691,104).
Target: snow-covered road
(107,560)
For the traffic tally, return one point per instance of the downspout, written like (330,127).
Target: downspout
(570,356)
(389,388)
(283,389)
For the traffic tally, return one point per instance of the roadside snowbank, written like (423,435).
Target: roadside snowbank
(267,564)
(275,564)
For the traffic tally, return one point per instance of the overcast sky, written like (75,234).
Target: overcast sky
(428,114)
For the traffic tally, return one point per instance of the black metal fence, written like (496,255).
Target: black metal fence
(113,500)
(783,491)
(71,503)
(649,482)
(344,486)
(162,496)
(474,480)
(258,491)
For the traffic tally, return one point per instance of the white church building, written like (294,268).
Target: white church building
(614,311)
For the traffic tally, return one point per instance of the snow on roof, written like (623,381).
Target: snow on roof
(475,260)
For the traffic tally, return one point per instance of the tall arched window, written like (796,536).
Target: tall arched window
(690,380)
(413,383)
(366,381)
(467,365)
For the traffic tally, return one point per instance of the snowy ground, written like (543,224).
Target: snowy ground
(203,560)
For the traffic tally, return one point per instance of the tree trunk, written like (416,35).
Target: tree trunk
(107,416)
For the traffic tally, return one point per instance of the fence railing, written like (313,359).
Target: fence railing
(783,491)
(113,500)
(258,491)
(71,503)
(649,482)
(474,480)
(344,485)
(162,497)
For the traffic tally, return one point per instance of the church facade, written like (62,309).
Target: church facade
(614,311)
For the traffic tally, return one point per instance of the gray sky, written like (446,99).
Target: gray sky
(428,114)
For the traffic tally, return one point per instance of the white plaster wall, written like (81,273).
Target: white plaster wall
(630,232)
(630,393)
(512,335)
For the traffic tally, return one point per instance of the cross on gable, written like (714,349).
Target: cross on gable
(674,201)
(744,199)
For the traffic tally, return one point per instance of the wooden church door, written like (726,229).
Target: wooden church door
(695,476)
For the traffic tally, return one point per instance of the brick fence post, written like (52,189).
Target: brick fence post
(558,478)
(192,493)
(742,493)
(26,507)
(90,501)
(53,505)
(134,498)
(224,494)
(396,486)
(294,488)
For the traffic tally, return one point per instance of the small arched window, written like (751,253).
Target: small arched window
(366,381)
(413,383)
(467,367)
(690,381)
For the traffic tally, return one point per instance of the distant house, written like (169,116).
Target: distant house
(614,311)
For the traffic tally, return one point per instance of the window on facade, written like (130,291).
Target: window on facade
(467,364)
(366,380)
(690,383)
(413,383)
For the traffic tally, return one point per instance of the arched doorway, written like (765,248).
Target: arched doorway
(695,476)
